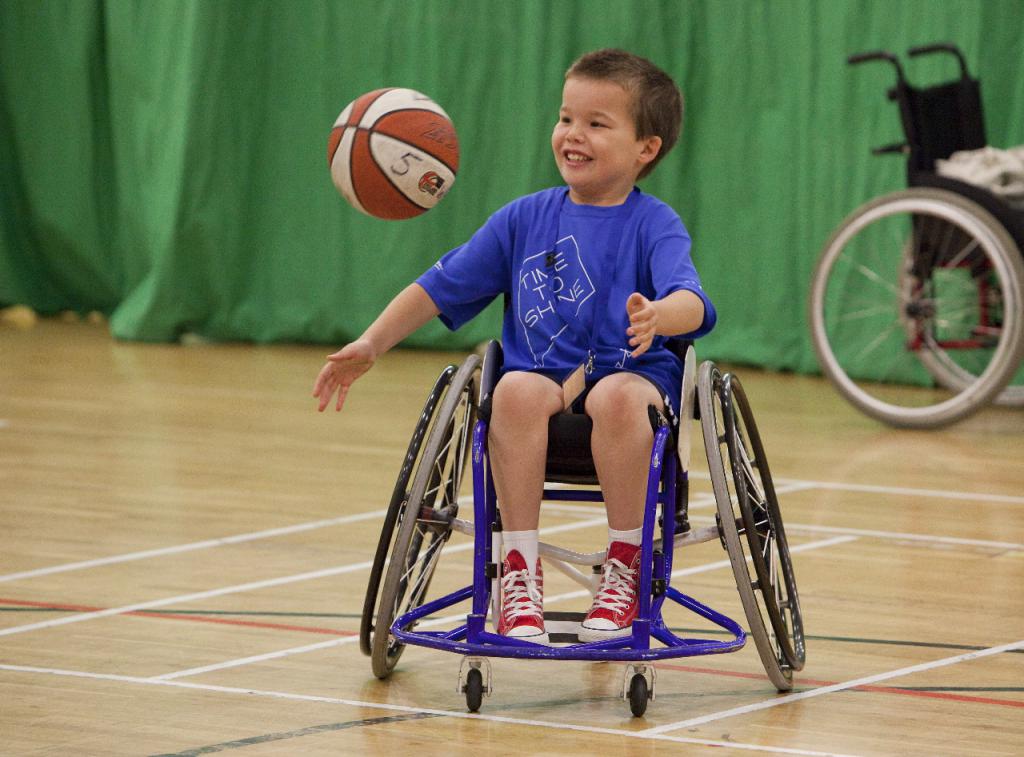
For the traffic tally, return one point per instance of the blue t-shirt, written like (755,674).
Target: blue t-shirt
(567,271)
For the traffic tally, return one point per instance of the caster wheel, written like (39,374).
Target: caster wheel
(474,689)
(638,695)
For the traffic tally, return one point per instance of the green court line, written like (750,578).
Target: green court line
(311,730)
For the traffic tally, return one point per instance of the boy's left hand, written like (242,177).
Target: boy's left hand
(643,323)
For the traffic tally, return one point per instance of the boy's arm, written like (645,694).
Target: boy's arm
(410,309)
(678,313)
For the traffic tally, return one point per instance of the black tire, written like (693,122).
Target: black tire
(432,504)
(920,287)
(749,508)
(638,695)
(474,689)
(396,507)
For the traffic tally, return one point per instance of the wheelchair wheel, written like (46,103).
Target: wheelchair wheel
(425,520)
(396,507)
(916,309)
(748,508)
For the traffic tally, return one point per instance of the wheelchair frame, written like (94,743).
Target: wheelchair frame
(938,266)
(423,514)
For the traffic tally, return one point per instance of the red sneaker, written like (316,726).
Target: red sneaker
(522,600)
(615,604)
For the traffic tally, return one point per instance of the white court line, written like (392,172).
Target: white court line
(417,710)
(178,549)
(719,564)
(96,614)
(865,681)
(784,485)
(891,535)
(448,618)
(901,490)
(802,483)
(955,540)
(251,586)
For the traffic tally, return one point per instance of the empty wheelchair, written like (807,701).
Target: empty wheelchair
(916,307)
(424,511)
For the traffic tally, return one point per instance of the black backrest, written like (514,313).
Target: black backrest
(940,120)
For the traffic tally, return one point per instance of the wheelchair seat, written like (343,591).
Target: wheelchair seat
(569,459)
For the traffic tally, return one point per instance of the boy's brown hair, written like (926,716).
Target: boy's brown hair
(657,102)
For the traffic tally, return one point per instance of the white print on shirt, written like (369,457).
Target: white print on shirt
(548,278)
(626,354)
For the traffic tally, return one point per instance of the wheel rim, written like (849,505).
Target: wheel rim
(763,526)
(396,507)
(434,499)
(715,404)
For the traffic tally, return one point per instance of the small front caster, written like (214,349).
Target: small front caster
(635,688)
(472,682)
(637,695)
(474,689)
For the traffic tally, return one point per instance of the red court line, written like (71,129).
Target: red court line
(684,668)
(172,616)
(875,689)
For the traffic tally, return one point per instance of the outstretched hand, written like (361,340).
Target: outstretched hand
(643,323)
(341,371)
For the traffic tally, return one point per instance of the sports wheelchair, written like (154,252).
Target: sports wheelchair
(916,307)
(424,512)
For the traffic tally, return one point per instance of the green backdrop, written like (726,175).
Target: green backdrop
(164,161)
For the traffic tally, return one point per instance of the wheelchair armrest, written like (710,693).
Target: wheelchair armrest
(490,372)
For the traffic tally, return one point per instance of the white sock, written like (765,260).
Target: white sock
(525,543)
(633,536)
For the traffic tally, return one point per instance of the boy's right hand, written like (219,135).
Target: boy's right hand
(341,371)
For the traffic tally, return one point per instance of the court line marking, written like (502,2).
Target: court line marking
(447,619)
(206,544)
(408,709)
(784,485)
(718,564)
(903,490)
(955,540)
(803,483)
(822,690)
(250,586)
(810,528)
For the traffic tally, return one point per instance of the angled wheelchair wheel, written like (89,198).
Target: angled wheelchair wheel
(396,507)
(424,523)
(916,309)
(751,524)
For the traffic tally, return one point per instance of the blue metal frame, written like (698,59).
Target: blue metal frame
(472,637)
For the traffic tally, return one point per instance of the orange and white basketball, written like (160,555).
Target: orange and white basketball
(393,153)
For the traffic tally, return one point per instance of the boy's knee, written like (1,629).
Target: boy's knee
(520,393)
(621,399)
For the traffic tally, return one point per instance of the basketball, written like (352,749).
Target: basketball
(393,153)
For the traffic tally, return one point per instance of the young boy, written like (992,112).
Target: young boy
(597,275)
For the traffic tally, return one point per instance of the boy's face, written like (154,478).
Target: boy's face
(595,143)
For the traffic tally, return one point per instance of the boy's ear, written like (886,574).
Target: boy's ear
(650,148)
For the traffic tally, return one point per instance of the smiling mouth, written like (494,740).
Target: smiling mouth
(576,158)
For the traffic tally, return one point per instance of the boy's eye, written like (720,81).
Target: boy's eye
(596,124)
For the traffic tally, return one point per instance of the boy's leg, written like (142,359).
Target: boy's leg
(621,445)
(517,443)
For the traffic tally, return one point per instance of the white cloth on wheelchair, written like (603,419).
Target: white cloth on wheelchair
(1001,172)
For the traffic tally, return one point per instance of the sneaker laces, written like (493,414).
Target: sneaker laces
(520,594)
(618,586)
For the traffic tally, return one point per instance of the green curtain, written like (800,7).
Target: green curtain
(164,161)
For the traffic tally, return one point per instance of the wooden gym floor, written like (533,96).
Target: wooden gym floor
(185,545)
